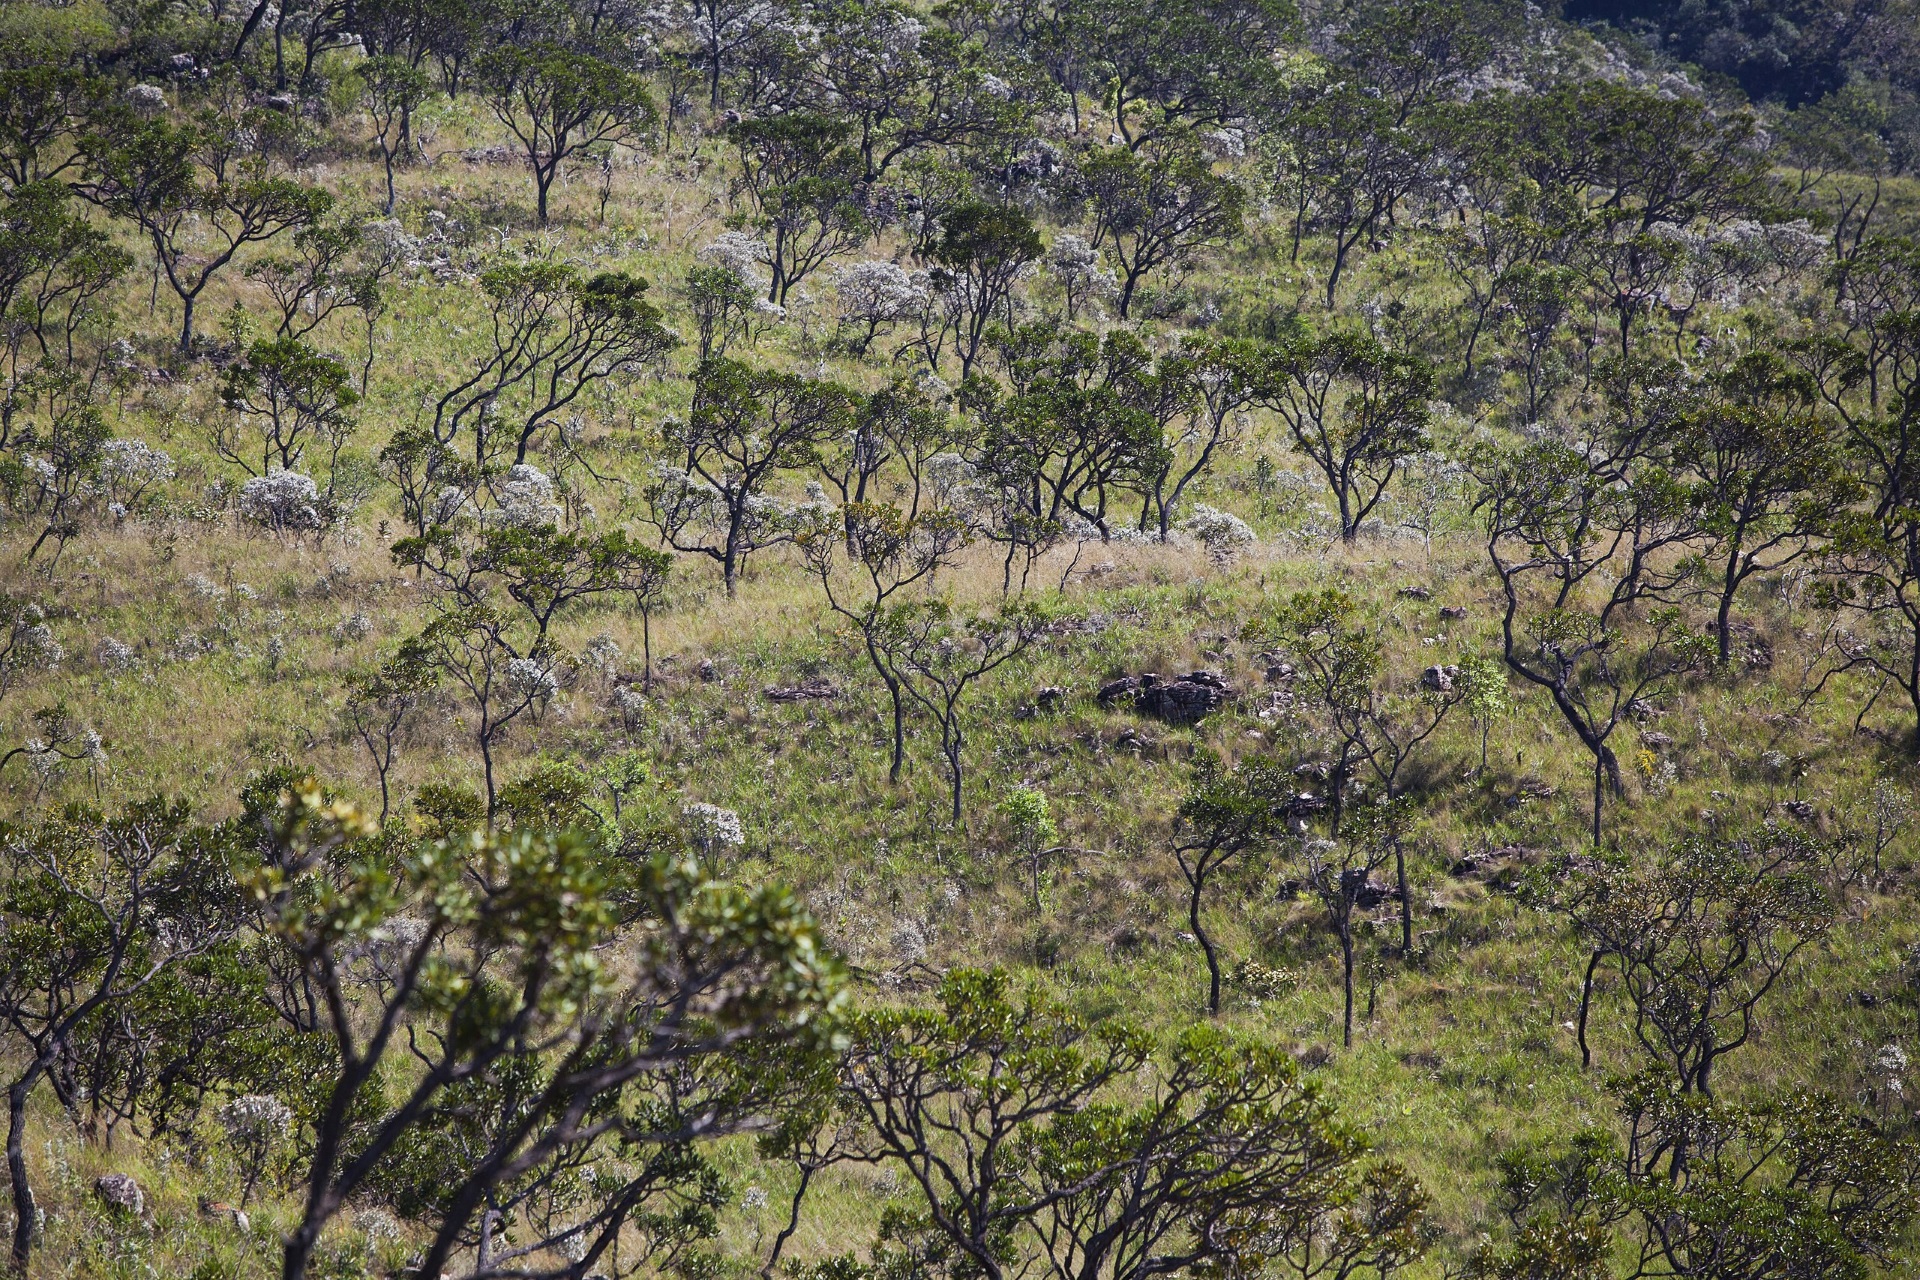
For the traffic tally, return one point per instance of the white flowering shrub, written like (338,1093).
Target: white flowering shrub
(743,255)
(114,655)
(1074,264)
(531,679)
(602,654)
(873,295)
(257,1125)
(450,504)
(711,829)
(284,501)
(128,469)
(1224,535)
(524,499)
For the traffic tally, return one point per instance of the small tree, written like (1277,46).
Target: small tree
(887,552)
(183,184)
(287,397)
(94,911)
(983,250)
(940,655)
(1701,933)
(1157,210)
(1027,812)
(1228,815)
(551,336)
(746,426)
(560,102)
(1793,1184)
(391,90)
(799,174)
(1356,409)
(380,706)
(1575,538)
(492,966)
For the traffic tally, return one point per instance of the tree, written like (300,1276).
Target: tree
(1227,815)
(950,1092)
(1576,538)
(1034,1139)
(912,86)
(551,336)
(1340,872)
(887,552)
(1157,210)
(1356,409)
(477,647)
(1174,68)
(391,90)
(1232,1161)
(1085,419)
(181,182)
(560,102)
(42,106)
(798,172)
(940,654)
(1767,476)
(54,267)
(723,307)
(1222,378)
(982,251)
(314,281)
(292,396)
(1349,162)
(94,910)
(486,962)
(1701,933)
(380,706)
(1370,720)
(1795,1184)
(745,427)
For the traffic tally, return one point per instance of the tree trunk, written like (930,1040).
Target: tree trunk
(1198,883)
(1346,971)
(1586,1003)
(25,1213)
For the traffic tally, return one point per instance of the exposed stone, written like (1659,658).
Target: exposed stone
(1416,593)
(1452,613)
(1439,679)
(120,1191)
(817,689)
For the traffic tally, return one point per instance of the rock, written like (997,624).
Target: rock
(1452,613)
(1299,809)
(221,1209)
(817,689)
(708,672)
(1181,700)
(147,99)
(1280,673)
(1049,697)
(1314,1055)
(281,102)
(1439,679)
(119,1191)
(1416,593)
(1184,700)
(1368,891)
(1653,738)
(1803,810)
(1641,709)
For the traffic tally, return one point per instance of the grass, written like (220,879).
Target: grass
(243,645)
